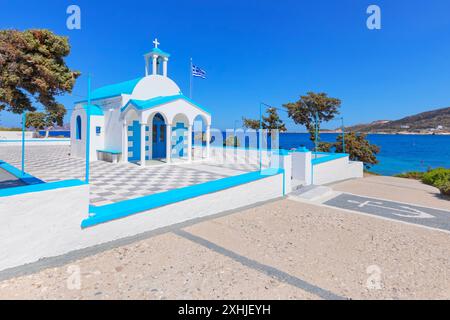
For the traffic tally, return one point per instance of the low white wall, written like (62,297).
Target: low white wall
(15,135)
(337,170)
(39,226)
(37,142)
(301,167)
(234,155)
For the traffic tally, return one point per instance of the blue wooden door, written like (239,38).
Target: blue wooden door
(159,138)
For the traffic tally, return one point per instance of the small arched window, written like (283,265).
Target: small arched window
(78,128)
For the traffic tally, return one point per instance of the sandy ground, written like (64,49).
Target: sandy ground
(281,250)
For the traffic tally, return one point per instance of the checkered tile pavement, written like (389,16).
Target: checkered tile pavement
(111,182)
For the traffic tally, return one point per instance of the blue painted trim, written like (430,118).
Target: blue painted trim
(301,149)
(94,110)
(281,152)
(159,52)
(130,207)
(329,157)
(110,151)
(113,90)
(40,187)
(158,101)
(97,99)
(25,177)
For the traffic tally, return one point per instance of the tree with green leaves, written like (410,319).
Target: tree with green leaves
(357,146)
(270,122)
(32,69)
(305,110)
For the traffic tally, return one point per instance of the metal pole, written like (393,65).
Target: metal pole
(316,131)
(343,135)
(24,116)
(88,130)
(190,80)
(260,137)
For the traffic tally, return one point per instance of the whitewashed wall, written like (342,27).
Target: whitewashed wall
(41,224)
(48,225)
(113,123)
(78,147)
(15,135)
(337,170)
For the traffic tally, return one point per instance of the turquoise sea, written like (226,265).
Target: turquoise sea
(399,153)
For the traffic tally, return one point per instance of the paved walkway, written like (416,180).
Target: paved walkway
(116,182)
(280,250)
(395,189)
(406,212)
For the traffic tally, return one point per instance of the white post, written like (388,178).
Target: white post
(282,159)
(155,64)
(165,66)
(302,170)
(124,141)
(147,65)
(143,125)
(169,143)
(189,144)
(208,141)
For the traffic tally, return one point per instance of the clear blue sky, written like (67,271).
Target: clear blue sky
(262,50)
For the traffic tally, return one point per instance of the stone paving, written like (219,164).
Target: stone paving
(115,182)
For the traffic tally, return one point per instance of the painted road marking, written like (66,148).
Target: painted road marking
(429,217)
(407,211)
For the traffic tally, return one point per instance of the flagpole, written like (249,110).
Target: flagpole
(190,78)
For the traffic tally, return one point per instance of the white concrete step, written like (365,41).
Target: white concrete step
(313,194)
(297,184)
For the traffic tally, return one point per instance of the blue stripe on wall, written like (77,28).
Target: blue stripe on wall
(136,139)
(126,208)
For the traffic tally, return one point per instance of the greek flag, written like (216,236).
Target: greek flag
(197,72)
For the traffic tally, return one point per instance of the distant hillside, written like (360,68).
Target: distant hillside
(426,122)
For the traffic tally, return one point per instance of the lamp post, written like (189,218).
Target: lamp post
(88,129)
(24,118)
(343,135)
(316,132)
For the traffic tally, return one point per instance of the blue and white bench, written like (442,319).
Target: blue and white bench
(109,155)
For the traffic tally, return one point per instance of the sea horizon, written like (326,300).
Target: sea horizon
(399,153)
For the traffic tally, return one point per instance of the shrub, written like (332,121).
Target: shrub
(439,178)
(445,188)
(411,175)
(436,177)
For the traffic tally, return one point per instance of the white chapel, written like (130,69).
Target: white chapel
(141,121)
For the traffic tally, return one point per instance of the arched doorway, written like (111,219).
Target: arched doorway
(159,141)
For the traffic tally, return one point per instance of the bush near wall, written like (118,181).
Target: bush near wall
(417,175)
(439,178)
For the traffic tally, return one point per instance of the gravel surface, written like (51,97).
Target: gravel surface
(327,248)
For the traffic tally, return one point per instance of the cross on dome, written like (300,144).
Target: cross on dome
(156,43)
